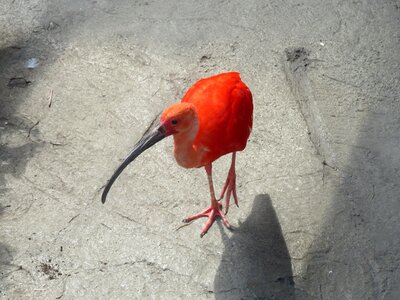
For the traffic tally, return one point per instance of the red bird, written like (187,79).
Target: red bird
(214,118)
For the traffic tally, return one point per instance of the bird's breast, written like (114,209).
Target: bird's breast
(190,156)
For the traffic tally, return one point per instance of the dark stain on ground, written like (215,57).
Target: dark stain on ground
(298,58)
(49,269)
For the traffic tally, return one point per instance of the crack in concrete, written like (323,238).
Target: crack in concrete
(105,267)
(128,218)
(296,64)
(286,176)
(69,223)
(73,218)
(341,81)
(18,268)
(226,291)
(34,186)
(31,128)
(23,211)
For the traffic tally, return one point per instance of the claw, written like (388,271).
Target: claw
(213,212)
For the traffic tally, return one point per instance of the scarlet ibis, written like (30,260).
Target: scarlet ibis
(214,118)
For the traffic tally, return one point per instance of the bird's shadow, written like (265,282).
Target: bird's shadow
(256,262)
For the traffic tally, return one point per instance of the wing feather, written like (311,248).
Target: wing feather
(225,111)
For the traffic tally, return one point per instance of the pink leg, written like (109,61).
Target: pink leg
(213,211)
(230,185)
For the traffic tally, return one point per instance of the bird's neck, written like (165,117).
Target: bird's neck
(184,152)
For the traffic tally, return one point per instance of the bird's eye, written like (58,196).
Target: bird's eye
(174,122)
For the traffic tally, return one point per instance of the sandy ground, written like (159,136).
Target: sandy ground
(318,182)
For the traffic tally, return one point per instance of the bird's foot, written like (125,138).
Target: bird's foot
(213,212)
(230,189)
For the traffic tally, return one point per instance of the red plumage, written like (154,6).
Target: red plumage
(225,112)
(214,118)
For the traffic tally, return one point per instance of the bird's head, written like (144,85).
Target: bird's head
(177,119)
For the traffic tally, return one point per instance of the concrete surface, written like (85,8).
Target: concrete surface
(318,182)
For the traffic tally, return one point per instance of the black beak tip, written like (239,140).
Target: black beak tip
(105,192)
(144,143)
(104,196)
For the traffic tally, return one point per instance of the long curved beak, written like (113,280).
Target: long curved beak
(144,143)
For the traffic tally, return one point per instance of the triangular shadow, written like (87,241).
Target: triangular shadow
(256,262)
